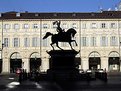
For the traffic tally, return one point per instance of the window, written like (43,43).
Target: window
(113,25)
(26,42)
(73,43)
(16,42)
(103,25)
(64,44)
(84,41)
(93,41)
(35,26)
(26,26)
(45,26)
(65,25)
(6,26)
(55,26)
(104,41)
(74,25)
(84,26)
(6,42)
(119,25)
(17,14)
(16,26)
(45,43)
(93,25)
(113,41)
(34,41)
(36,14)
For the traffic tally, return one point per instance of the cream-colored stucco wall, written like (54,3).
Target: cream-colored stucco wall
(26,52)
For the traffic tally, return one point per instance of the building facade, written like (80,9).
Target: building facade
(98,37)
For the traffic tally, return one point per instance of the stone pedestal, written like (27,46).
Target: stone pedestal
(62,65)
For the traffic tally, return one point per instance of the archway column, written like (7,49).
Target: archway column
(104,63)
(6,66)
(120,64)
(85,63)
(44,64)
(25,64)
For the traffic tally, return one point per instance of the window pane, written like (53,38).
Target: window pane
(16,26)
(65,25)
(103,25)
(93,25)
(45,43)
(74,25)
(34,42)
(84,41)
(113,25)
(45,26)
(113,41)
(104,41)
(26,26)
(54,26)
(6,42)
(16,42)
(93,41)
(84,26)
(35,26)
(6,26)
(26,42)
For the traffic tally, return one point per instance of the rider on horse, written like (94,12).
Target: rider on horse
(59,29)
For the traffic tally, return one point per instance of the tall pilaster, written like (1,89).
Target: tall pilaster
(104,63)
(45,64)
(6,66)
(25,64)
(85,63)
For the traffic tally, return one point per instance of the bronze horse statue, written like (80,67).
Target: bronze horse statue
(62,37)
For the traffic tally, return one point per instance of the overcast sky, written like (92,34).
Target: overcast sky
(56,5)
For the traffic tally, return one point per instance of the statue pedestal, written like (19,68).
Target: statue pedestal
(62,65)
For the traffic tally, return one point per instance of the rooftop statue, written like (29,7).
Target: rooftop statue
(62,36)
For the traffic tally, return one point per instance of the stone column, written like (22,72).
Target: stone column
(85,63)
(26,64)
(6,65)
(104,63)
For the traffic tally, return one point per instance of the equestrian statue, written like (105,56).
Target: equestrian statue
(61,36)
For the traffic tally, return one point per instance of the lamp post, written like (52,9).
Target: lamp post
(119,47)
(23,65)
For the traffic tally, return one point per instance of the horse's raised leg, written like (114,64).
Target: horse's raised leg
(52,45)
(75,42)
(58,46)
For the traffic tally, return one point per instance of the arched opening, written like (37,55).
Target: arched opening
(94,61)
(15,62)
(113,61)
(35,62)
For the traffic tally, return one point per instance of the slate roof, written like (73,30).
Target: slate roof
(62,15)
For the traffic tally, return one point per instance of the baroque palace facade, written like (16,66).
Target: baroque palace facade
(98,37)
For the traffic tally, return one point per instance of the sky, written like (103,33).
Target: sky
(56,5)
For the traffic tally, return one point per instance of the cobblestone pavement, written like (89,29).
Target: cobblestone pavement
(10,83)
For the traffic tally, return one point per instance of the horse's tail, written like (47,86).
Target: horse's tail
(47,35)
